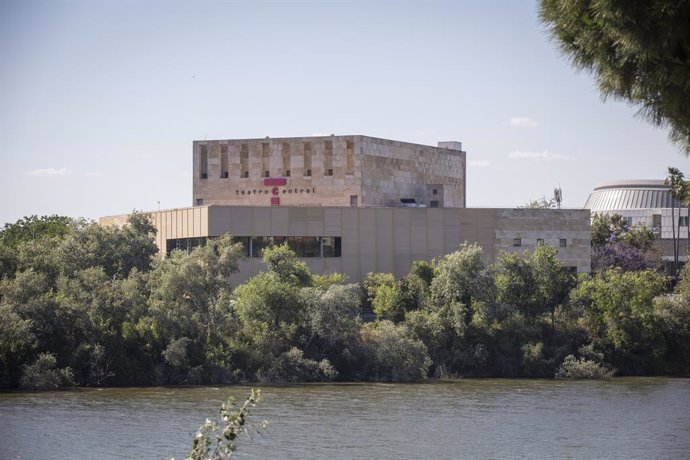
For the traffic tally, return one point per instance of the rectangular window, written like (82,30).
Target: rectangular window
(307,158)
(246,244)
(183,244)
(203,161)
(223,161)
(199,201)
(683,221)
(517,241)
(353,200)
(330,246)
(267,174)
(434,191)
(305,246)
(328,158)
(349,157)
(245,174)
(244,158)
(259,243)
(563,242)
(628,221)
(286,159)
(433,204)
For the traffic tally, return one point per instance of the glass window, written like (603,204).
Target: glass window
(183,244)
(563,242)
(246,244)
(259,243)
(330,246)
(517,241)
(305,246)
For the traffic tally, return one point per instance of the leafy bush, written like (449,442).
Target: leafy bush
(392,354)
(292,366)
(573,368)
(42,374)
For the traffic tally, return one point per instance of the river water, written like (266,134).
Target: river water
(619,418)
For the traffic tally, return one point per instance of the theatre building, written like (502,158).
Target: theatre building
(354,205)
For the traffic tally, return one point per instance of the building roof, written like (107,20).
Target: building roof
(629,195)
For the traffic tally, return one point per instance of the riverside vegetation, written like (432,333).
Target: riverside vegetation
(87,305)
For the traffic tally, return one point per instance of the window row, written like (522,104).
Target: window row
(562,242)
(286,153)
(245,174)
(304,246)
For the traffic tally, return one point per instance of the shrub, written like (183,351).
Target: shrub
(292,366)
(572,368)
(42,374)
(392,354)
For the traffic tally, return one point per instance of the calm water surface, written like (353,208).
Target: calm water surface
(621,418)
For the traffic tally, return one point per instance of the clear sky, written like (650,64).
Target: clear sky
(100,100)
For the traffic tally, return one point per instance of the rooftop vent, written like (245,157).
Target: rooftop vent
(411,203)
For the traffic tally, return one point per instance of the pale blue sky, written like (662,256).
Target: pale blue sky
(100,100)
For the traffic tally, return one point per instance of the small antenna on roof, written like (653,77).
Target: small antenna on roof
(558,196)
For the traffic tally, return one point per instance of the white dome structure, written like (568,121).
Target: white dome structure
(642,202)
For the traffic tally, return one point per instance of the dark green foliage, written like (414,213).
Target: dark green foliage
(42,374)
(82,309)
(34,228)
(292,366)
(393,354)
(638,51)
(283,262)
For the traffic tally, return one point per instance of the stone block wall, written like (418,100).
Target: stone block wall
(325,171)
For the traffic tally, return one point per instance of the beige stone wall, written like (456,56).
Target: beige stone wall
(325,171)
(392,170)
(385,239)
(307,161)
(552,226)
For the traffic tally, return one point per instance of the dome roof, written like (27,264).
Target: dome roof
(629,195)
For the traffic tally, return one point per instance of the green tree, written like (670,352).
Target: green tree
(638,51)
(32,228)
(190,298)
(463,279)
(618,314)
(284,263)
(616,244)
(393,354)
(371,284)
(676,182)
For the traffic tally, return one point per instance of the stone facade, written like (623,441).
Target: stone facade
(327,171)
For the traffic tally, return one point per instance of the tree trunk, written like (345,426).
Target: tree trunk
(673,229)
